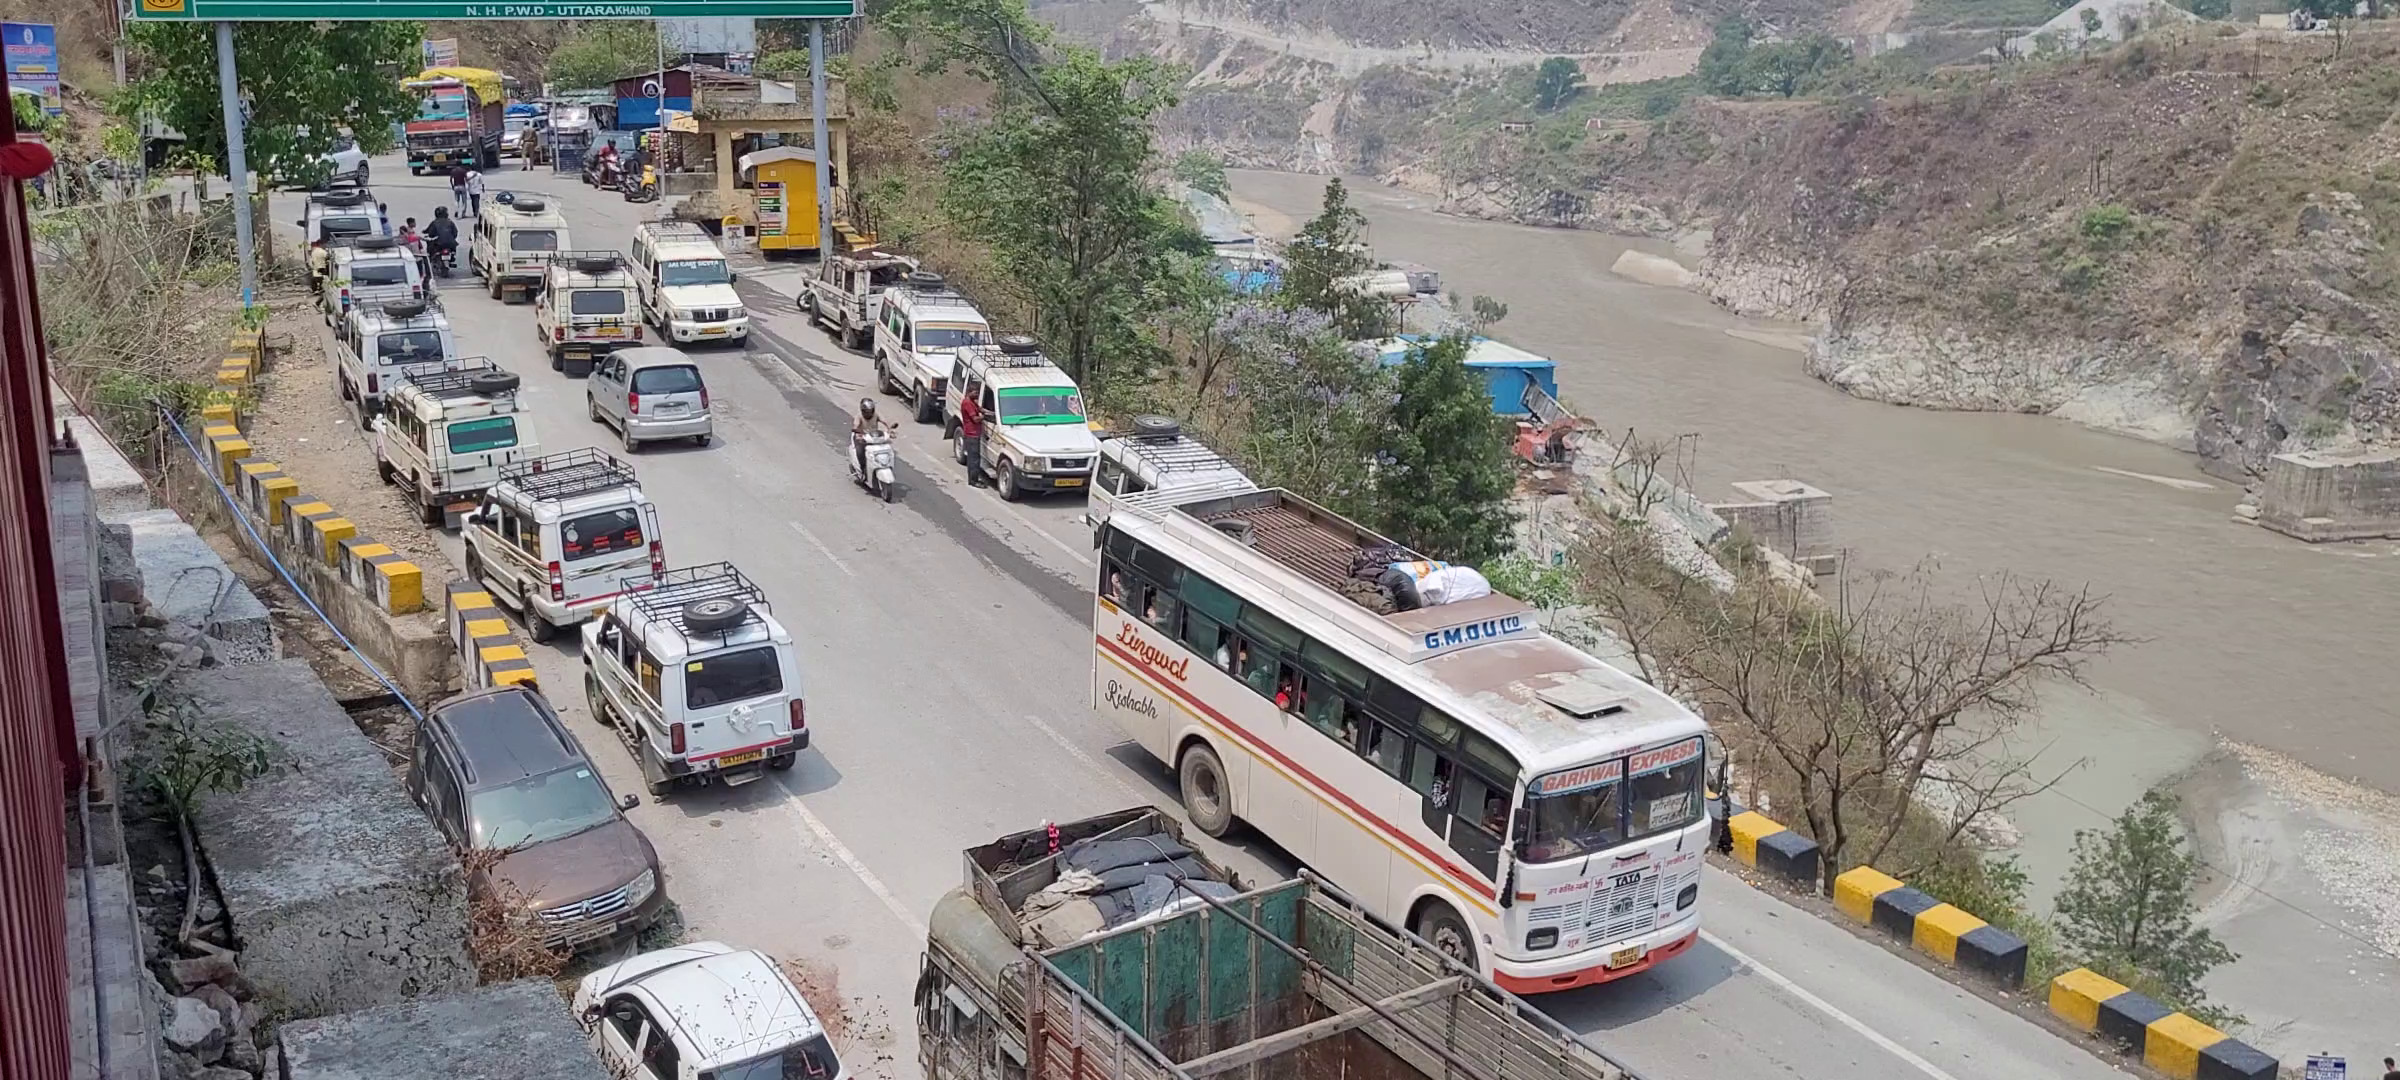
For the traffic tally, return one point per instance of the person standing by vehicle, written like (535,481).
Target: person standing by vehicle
(458,188)
(970,438)
(474,192)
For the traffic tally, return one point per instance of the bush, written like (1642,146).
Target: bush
(2081,274)
(2106,224)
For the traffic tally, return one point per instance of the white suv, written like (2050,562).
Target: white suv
(447,429)
(687,290)
(697,677)
(560,536)
(918,339)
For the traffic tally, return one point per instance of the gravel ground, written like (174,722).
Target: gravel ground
(303,425)
(2356,852)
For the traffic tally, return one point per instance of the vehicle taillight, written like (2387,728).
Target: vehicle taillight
(559,332)
(637,331)
(558,583)
(373,387)
(799,716)
(416,292)
(658,559)
(633,403)
(675,739)
(704,399)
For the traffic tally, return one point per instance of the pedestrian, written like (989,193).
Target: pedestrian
(474,192)
(970,438)
(458,188)
(2390,1071)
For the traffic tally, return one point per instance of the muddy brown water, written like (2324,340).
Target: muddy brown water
(2248,634)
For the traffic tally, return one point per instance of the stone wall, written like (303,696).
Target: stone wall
(2332,496)
(514,1031)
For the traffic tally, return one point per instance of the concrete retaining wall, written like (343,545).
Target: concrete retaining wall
(1938,930)
(342,895)
(2321,497)
(2169,1041)
(514,1031)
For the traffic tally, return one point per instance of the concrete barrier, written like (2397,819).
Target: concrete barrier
(518,1030)
(1764,844)
(489,653)
(2169,1041)
(1941,931)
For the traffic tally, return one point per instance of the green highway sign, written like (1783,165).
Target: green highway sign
(368,10)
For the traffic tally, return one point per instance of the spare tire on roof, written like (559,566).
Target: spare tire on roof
(404,309)
(714,614)
(1019,344)
(489,383)
(524,205)
(923,279)
(1157,427)
(376,243)
(343,197)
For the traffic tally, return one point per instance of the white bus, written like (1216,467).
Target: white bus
(1528,809)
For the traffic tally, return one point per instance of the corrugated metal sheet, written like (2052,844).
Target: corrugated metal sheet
(37,727)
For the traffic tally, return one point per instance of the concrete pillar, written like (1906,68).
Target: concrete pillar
(725,166)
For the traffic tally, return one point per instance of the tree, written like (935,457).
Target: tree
(1324,263)
(603,51)
(1302,410)
(1202,170)
(2127,908)
(1056,186)
(1445,473)
(786,63)
(2209,9)
(2091,22)
(1555,83)
(1721,63)
(1789,67)
(299,80)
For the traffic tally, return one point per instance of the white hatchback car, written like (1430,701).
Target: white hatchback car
(703,1010)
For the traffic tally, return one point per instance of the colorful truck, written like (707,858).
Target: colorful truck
(1107,949)
(458,121)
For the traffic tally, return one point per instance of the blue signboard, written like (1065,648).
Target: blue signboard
(31,55)
(2325,1067)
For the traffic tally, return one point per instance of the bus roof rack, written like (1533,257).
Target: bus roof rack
(564,476)
(467,376)
(668,596)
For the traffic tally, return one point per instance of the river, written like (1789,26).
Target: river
(2246,634)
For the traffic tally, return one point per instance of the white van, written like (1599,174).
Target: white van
(1157,456)
(559,536)
(917,342)
(368,270)
(377,340)
(1035,434)
(687,290)
(698,677)
(512,242)
(447,429)
(587,309)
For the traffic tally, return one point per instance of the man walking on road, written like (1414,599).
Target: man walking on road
(970,438)
(2390,1071)
(474,192)
(458,188)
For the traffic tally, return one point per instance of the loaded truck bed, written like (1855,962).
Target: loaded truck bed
(1291,981)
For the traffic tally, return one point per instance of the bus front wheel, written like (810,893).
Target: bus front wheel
(1438,924)
(1205,794)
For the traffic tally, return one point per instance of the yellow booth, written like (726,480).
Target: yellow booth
(783,186)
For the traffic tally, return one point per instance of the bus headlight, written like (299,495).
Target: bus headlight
(1544,938)
(1689,896)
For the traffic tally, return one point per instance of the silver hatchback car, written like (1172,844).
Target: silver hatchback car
(649,394)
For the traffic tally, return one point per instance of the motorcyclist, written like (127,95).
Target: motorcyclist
(441,234)
(863,428)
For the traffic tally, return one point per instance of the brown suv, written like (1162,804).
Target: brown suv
(496,770)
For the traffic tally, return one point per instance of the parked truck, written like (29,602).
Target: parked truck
(459,119)
(1108,949)
(846,295)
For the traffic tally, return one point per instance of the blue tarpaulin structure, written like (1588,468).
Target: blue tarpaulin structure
(641,113)
(1506,369)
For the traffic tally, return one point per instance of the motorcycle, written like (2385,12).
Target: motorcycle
(878,476)
(600,172)
(441,257)
(643,188)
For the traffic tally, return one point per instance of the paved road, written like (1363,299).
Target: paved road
(947,653)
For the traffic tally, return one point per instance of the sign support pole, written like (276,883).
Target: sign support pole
(822,141)
(237,166)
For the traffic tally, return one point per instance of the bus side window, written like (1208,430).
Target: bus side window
(1434,778)
(1202,635)
(1481,817)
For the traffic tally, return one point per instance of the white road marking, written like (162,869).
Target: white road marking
(1113,776)
(857,868)
(2175,482)
(1821,1005)
(838,564)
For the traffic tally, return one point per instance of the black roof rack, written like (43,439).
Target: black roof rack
(668,594)
(467,376)
(564,476)
(675,227)
(589,262)
(1014,351)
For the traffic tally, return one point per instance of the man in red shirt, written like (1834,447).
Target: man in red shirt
(970,438)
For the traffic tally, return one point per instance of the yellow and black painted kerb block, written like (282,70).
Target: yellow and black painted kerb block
(489,653)
(1762,843)
(315,528)
(396,584)
(2169,1041)
(1946,933)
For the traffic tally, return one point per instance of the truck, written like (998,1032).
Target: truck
(846,295)
(458,121)
(1036,969)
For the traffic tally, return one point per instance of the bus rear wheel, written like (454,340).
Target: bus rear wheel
(1206,796)
(1449,933)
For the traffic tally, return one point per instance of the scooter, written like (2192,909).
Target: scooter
(643,188)
(878,478)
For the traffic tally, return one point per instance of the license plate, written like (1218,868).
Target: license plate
(1625,958)
(706,331)
(1068,481)
(731,760)
(611,331)
(459,507)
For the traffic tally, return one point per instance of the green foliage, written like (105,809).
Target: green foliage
(2081,273)
(185,756)
(1202,170)
(2208,9)
(788,63)
(1055,186)
(1721,63)
(1322,263)
(2324,9)
(2105,224)
(2127,908)
(1445,472)
(1790,67)
(28,113)
(603,51)
(1545,587)
(300,80)
(998,40)
(1555,82)
(2091,21)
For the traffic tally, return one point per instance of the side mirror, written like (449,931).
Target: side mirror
(733,277)
(629,802)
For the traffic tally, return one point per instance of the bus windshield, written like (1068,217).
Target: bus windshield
(1594,807)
